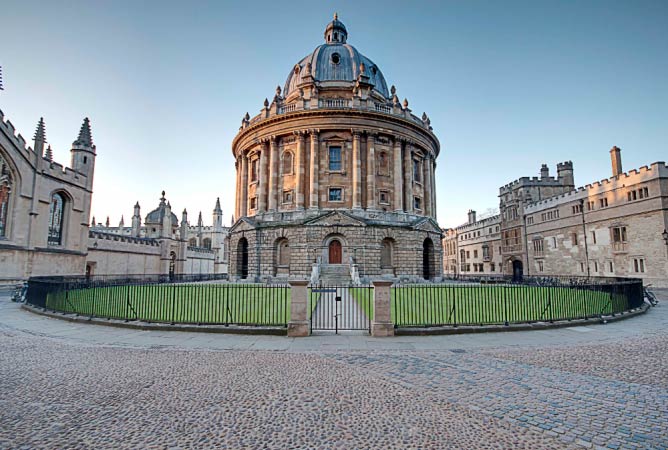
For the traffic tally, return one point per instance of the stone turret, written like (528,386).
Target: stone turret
(136,221)
(184,225)
(83,153)
(472,216)
(544,172)
(565,171)
(217,216)
(616,160)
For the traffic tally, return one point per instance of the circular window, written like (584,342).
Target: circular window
(336,58)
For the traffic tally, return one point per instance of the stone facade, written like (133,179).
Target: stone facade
(613,227)
(335,171)
(44,207)
(474,247)
(187,249)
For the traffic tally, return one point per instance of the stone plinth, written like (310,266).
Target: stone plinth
(298,325)
(382,325)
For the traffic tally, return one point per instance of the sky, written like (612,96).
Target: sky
(507,85)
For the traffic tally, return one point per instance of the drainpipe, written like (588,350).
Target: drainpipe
(584,231)
(526,244)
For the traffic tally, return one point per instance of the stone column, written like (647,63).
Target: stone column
(357,171)
(263,178)
(426,185)
(243,211)
(398,177)
(382,325)
(299,171)
(408,177)
(432,177)
(273,171)
(315,167)
(237,188)
(298,325)
(370,172)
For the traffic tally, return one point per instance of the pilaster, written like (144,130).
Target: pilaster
(408,177)
(398,176)
(315,167)
(243,212)
(273,170)
(370,171)
(300,169)
(263,178)
(357,171)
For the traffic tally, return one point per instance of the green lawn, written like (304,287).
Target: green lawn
(182,303)
(478,305)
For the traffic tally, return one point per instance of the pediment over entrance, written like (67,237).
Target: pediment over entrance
(335,218)
(242,225)
(427,224)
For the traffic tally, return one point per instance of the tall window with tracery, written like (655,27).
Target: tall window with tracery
(5,190)
(56,209)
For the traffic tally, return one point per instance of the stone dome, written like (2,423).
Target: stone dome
(334,62)
(157,215)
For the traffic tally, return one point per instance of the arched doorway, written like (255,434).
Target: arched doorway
(518,270)
(242,258)
(335,252)
(427,258)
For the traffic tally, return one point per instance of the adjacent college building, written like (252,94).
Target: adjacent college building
(613,227)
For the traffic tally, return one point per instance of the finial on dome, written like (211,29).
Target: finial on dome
(278,90)
(405,103)
(393,90)
(247,116)
(362,68)
(336,16)
(266,103)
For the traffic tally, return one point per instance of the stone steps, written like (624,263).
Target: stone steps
(338,274)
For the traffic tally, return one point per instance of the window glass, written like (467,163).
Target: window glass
(335,194)
(334,158)
(56,220)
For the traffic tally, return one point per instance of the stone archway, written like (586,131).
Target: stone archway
(518,270)
(428,259)
(242,258)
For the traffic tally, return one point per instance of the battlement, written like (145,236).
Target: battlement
(564,169)
(121,238)
(658,169)
(492,220)
(10,131)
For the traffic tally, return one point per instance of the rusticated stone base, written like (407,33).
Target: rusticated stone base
(382,329)
(298,329)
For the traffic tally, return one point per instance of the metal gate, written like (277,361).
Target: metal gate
(335,308)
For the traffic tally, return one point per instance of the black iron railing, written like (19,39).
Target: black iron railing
(536,300)
(157,300)
(340,307)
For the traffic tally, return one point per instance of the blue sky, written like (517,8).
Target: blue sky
(507,85)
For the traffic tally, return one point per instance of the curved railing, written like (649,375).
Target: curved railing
(500,301)
(161,300)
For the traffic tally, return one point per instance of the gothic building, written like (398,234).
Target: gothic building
(44,207)
(335,176)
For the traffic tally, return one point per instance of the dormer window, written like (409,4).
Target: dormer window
(336,58)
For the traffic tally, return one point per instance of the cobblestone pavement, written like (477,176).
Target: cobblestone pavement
(58,391)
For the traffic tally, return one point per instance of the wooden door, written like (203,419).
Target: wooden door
(335,252)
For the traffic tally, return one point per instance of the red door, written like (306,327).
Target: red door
(335,252)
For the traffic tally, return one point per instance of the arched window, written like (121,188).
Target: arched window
(5,190)
(283,248)
(56,210)
(192,242)
(206,243)
(386,253)
(383,164)
(287,163)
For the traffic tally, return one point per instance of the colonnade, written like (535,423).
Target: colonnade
(269,187)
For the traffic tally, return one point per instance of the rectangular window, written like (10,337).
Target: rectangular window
(634,195)
(384,198)
(590,206)
(554,242)
(582,267)
(468,254)
(603,202)
(639,265)
(417,203)
(646,192)
(287,197)
(540,266)
(475,253)
(335,194)
(492,267)
(610,267)
(335,158)
(619,234)
(593,237)
(253,203)
(538,246)
(574,238)
(595,266)
(628,196)
(530,220)
(416,171)
(254,169)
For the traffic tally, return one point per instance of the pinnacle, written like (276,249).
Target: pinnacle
(49,154)
(217,208)
(40,133)
(85,138)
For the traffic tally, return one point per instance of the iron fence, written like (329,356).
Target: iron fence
(454,304)
(160,302)
(340,307)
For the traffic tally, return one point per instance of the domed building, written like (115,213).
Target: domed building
(335,177)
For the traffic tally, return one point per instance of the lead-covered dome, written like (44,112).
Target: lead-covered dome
(334,62)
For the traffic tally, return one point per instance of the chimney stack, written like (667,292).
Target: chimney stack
(471,216)
(544,172)
(616,158)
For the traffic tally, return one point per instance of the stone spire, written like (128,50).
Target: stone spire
(217,216)
(40,137)
(217,208)
(136,221)
(121,224)
(107,223)
(184,225)
(92,222)
(85,138)
(200,222)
